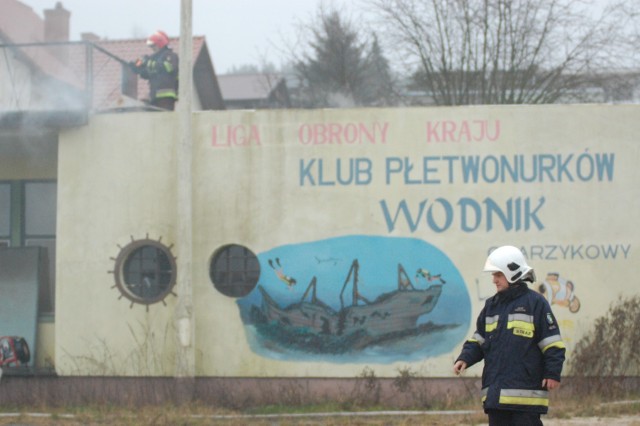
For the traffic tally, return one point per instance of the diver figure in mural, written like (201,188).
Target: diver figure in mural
(289,281)
(428,277)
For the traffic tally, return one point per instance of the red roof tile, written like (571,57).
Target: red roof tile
(107,76)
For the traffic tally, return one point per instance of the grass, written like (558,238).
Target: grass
(325,414)
(595,406)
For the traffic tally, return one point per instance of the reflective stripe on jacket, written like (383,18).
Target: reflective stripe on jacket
(519,340)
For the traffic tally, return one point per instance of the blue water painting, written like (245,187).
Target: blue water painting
(356,299)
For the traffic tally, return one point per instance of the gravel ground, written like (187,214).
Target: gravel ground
(591,421)
(588,421)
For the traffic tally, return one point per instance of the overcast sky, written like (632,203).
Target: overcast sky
(237,31)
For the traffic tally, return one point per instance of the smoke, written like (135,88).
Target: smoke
(38,96)
(37,79)
(69,76)
(340,100)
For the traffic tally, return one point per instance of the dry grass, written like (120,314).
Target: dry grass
(595,406)
(166,417)
(196,415)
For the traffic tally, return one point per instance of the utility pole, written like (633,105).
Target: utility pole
(185,327)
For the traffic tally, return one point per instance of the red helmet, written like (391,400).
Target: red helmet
(158,39)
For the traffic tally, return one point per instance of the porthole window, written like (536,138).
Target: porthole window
(234,270)
(145,271)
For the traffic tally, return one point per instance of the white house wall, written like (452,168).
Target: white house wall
(309,193)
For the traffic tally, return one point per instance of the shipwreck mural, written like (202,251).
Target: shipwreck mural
(356,299)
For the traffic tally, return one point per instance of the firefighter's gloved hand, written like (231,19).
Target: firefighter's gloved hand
(137,64)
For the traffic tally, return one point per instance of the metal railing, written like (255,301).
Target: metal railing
(64,75)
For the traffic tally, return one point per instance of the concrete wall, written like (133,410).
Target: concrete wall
(418,197)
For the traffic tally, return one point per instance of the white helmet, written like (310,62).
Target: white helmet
(510,261)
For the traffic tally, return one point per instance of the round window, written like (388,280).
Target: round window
(145,271)
(234,270)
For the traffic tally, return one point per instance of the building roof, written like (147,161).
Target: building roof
(248,86)
(19,23)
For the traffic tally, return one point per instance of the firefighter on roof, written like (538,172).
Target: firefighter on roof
(161,69)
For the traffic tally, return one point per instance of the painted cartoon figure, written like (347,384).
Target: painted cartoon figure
(560,291)
(423,273)
(289,281)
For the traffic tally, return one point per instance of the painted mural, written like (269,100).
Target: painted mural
(366,231)
(356,299)
(560,291)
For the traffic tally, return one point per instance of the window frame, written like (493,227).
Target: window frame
(18,237)
(122,261)
(7,237)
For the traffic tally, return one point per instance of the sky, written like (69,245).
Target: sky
(238,32)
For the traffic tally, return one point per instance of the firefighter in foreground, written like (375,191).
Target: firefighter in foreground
(518,338)
(161,69)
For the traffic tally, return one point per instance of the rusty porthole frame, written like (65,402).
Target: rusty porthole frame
(124,255)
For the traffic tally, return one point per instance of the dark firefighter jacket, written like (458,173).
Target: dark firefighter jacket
(161,69)
(519,339)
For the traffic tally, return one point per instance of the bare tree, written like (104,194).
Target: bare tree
(499,51)
(616,334)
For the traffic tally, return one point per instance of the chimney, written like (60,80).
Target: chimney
(56,28)
(56,23)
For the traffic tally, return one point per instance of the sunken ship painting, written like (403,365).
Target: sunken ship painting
(392,312)
(387,319)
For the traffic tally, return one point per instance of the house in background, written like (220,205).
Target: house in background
(35,72)
(45,70)
(254,91)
